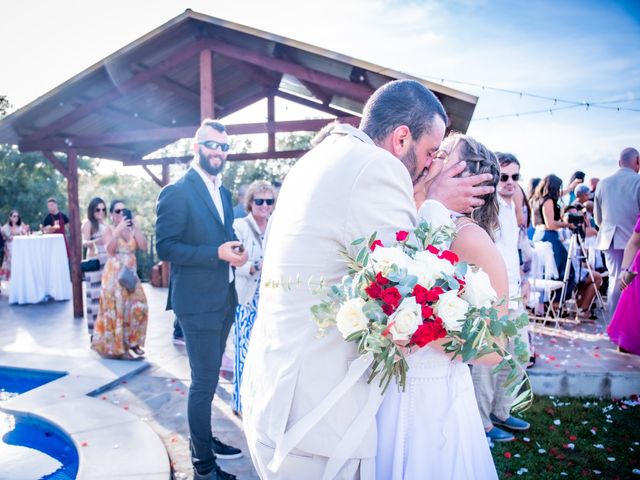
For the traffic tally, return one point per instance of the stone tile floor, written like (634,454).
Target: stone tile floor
(158,395)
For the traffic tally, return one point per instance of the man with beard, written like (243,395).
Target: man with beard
(194,232)
(306,411)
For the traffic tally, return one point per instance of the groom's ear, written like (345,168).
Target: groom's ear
(400,140)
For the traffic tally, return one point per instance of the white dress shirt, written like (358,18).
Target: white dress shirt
(506,239)
(213,186)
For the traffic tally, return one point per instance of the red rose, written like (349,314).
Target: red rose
(381,280)
(374,290)
(421,294)
(401,235)
(388,309)
(428,332)
(427,312)
(391,296)
(432,249)
(376,243)
(434,294)
(449,256)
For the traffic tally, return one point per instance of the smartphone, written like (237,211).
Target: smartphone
(238,249)
(126,214)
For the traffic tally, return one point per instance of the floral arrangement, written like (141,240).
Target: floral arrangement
(398,298)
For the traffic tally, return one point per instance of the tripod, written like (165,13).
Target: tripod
(574,243)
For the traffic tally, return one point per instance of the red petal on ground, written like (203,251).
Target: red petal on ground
(84,444)
(507,454)
(573,438)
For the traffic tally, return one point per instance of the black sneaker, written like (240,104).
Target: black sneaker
(216,474)
(225,452)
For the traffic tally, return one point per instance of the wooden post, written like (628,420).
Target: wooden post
(271,116)
(206,85)
(74,230)
(165,174)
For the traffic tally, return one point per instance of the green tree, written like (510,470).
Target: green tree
(27,180)
(4,105)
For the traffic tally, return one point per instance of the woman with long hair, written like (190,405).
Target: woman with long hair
(121,325)
(92,231)
(438,388)
(13,227)
(548,221)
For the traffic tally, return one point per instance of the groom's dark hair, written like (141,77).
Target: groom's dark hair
(401,102)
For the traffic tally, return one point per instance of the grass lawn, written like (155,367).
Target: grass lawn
(574,438)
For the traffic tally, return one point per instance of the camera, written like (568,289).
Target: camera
(575,219)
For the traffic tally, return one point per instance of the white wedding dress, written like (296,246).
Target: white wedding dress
(432,430)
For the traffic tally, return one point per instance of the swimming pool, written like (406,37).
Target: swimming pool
(30,446)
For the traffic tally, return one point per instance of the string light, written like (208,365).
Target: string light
(568,103)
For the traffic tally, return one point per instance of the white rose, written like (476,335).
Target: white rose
(452,310)
(350,317)
(383,258)
(478,290)
(428,268)
(406,319)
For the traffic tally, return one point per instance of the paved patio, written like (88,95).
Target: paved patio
(572,360)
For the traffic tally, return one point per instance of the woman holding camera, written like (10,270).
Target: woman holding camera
(250,230)
(92,230)
(121,324)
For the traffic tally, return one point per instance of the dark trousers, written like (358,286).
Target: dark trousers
(205,335)
(560,255)
(177,330)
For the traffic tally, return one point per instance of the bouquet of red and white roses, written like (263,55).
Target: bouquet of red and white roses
(401,297)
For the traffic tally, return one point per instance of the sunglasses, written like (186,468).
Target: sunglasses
(212,144)
(101,210)
(118,210)
(504,177)
(260,201)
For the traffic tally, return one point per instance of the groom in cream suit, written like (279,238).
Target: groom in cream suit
(308,410)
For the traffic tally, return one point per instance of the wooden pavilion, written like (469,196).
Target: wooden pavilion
(157,89)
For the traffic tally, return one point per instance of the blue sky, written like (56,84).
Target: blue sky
(575,50)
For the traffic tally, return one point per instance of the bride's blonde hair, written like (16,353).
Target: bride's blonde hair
(480,160)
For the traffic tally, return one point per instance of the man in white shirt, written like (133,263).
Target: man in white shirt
(493,400)
(194,231)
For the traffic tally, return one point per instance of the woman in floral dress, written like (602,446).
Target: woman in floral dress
(121,325)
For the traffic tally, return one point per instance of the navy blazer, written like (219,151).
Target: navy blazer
(188,233)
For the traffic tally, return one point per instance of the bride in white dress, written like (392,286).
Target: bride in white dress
(433,429)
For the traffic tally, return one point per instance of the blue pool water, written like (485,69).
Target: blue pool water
(31,445)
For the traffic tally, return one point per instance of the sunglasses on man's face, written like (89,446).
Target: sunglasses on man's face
(504,177)
(212,145)
(260,201)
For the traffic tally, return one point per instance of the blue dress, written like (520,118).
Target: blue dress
(245,318)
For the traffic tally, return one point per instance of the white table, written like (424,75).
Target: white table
(39,269)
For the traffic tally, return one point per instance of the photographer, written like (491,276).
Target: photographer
(581,273)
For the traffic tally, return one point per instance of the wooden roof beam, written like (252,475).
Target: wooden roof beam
(153,176)
(176,133)
(311,104)
(134,82)
(345,87)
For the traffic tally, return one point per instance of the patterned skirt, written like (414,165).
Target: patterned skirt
(93,287)
(245,318)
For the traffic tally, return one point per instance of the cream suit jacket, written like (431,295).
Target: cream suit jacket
(345,188)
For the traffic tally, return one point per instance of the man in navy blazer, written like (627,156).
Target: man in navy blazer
(194,232)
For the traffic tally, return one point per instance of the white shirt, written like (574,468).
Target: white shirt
(213,186)
(507,243)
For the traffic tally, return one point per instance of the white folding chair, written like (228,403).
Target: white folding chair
(543,286)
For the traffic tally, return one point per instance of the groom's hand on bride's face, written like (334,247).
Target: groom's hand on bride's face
(229,252)
(459,194)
